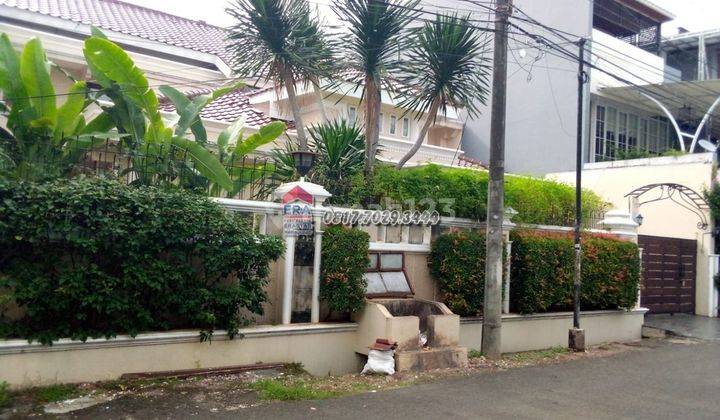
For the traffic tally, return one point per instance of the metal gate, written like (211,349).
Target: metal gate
(669,266)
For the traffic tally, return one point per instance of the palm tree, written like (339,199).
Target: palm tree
(373,49)
(277,40)
(446,65)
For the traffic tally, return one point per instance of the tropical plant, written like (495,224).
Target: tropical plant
(376,35)
(233,147)
(280,41)
(446,66)
(339,147)
(160,153)
(41,140)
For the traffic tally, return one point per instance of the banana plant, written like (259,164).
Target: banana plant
(233,147)
(41,139)
(160,153)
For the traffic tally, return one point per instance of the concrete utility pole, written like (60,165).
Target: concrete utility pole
(576,337)
(492,308)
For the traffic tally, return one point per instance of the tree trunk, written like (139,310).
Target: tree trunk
(429,121)
(289,82)
(319,97)
(373,102)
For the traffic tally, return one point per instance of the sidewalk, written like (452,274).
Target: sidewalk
(686,325)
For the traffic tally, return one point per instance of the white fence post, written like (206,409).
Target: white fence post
(508,225)
(713,268)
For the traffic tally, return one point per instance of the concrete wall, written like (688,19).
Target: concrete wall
(542,94)
(613,180)
(324,349)
(542,331)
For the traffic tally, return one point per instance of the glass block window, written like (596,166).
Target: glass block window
(386,276)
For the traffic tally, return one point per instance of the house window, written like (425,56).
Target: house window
(380,126)
(352,114)
(610,133)
(622,130)
(632,133)
(393,123)
(599,132)
(385,275)
(406,127)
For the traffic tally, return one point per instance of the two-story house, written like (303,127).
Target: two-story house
(191,56)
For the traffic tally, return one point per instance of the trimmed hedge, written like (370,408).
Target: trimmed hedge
(543,265)
(462,192)
(541,272)
(457,262)
(344,259)
(95,258)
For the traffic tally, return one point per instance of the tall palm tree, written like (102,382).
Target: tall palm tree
(276,39)
(446,66)
(374,49)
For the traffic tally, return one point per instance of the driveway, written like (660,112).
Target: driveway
(686,325)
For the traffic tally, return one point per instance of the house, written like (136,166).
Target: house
(190,56)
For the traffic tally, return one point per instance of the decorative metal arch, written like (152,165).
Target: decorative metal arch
(684,196)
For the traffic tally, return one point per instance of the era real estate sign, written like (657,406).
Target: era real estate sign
(297,213)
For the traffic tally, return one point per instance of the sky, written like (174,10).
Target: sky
(695,15)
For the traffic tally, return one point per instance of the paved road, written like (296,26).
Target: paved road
(671,381)
(686,325)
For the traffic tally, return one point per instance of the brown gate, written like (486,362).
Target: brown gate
(668,274)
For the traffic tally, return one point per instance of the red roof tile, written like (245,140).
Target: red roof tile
(133,20)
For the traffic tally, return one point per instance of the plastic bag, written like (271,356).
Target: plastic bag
(381,362)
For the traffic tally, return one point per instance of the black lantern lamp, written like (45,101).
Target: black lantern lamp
(639,219)
(304,161)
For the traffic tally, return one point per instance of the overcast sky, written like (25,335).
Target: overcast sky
(695,15)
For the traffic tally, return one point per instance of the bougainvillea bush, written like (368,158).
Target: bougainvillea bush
(543,266)
(96,258)
(541,272)
(344,259)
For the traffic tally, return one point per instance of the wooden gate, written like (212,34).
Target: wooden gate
(669,266)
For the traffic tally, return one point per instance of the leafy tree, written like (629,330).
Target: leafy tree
(42,139)
(446,65)
(376,36)
(280,41)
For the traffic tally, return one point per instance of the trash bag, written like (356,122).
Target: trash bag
(380,362)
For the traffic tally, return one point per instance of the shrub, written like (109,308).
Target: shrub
(94,258)
(457,262)
(541,272)
(344,259)
(543,265)
(463,193)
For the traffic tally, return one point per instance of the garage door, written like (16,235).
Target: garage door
(668,274)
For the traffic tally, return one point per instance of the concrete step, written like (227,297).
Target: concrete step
(430,358)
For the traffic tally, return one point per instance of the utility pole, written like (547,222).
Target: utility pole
(576,336)
(492,308)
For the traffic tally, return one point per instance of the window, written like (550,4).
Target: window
(380,127)
(599,132)
(393,122)
(406,127)
(352,114)
(622,130)
(632,139)
(610,139)
(385,275)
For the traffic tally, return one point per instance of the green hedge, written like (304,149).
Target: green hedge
(463,193)
(541,272)
(457,262)
(344,259)
(543,266)
(95,258)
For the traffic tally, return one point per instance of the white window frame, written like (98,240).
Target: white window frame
(393,124)
(406,127)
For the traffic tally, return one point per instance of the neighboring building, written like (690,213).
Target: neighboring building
(190,56)
(542,88)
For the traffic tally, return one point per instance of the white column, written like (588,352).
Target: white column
(620,223)
(506,295)
(288,279)
(639,291)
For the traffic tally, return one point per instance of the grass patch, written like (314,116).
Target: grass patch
(474,354)
(5,397)
(54,393)
(538,355)
(275,389)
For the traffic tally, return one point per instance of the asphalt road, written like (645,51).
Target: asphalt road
(670,381)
